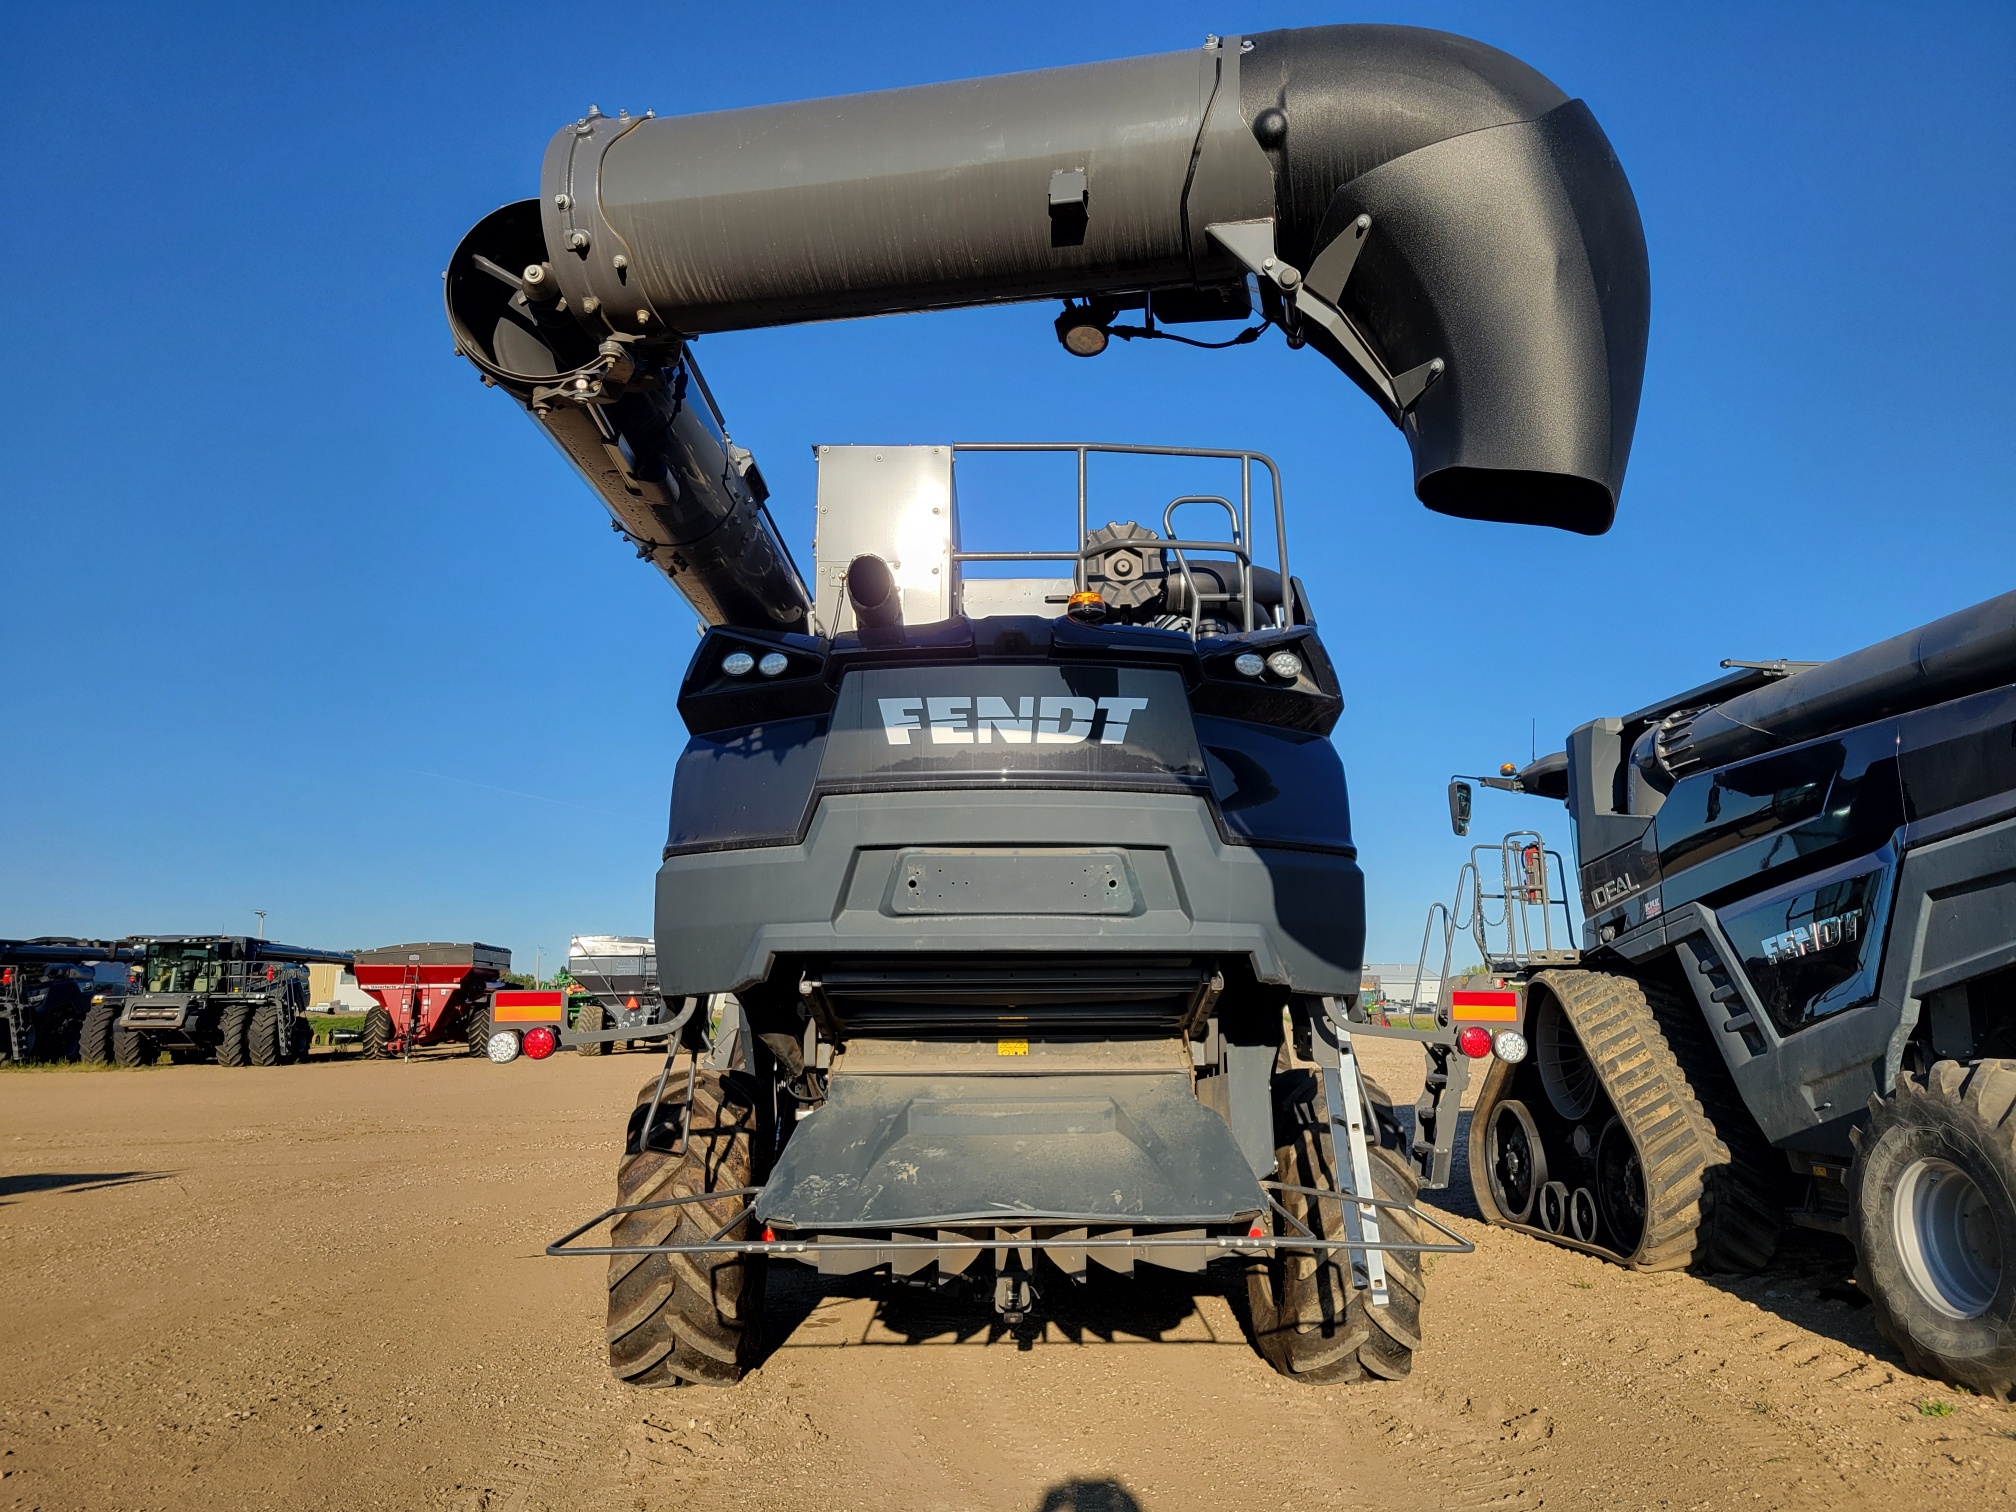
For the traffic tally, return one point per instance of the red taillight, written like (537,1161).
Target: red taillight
(270,973)
(1474,1042)
(542,1042)
(6,976)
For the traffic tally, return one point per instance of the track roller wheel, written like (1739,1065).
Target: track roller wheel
(1309,1321)
(133,1048)
(375,1039)
(262,1036)
(1600,1140)
(94,1041)
(590,1017)
(696,1318)
(231,1048)
(1932,1211)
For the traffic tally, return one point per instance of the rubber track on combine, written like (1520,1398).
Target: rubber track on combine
(1677,1144)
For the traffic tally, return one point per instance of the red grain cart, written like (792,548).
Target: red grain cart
(433,993)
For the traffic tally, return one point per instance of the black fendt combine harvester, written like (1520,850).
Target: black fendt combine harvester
(1797,996)
(55,992)
(1037,896)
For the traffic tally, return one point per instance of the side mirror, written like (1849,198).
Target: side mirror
(1459,807)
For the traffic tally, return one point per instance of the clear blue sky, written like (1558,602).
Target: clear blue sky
(296,615)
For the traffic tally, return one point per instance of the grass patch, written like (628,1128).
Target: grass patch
(327,1025)
(1932,1407)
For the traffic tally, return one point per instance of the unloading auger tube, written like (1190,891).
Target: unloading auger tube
(1432,215)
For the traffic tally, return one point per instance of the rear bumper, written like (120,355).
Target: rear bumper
(1038,873)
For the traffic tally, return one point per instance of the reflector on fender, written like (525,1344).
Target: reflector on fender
(1485,1007)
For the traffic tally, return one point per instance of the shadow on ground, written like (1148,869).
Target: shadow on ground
(74,1181)
(1810,1282)
(1150,1306)
(1088,1496)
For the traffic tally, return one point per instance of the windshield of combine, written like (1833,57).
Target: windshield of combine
(174,967)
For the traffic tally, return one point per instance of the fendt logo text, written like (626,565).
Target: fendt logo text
(1810,939)
(963,720)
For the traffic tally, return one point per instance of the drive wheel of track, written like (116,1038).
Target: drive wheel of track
(94,1042)
(1932,1211)
(375,1039)
(231,1030)
(1309,1321)
(133,1048)
(1671,1191)
(479,1033)
(262,1038)
(591,1017)
(696,1318)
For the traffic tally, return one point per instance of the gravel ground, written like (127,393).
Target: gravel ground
(321,1286)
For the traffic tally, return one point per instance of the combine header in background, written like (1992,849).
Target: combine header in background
(429,993)
(1037,896)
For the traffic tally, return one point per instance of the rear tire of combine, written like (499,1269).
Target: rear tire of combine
(479,1033)
(94,1041)
(134,1048)
(590,1017)
(375,1039)
(231,1048)
(1309,1321)
(1932,1211)
(688,1318)
(262,1038)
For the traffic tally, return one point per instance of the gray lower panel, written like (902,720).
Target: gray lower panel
(1131,873)
(914,1151)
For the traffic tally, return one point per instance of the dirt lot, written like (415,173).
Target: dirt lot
(320,1287)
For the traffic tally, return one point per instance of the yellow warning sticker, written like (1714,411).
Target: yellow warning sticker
(1011,1047)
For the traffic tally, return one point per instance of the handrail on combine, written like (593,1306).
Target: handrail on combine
(1522,932)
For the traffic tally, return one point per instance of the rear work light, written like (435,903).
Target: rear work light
(1510,1046)
(1472,1041)
(541,1042)
(503,1046)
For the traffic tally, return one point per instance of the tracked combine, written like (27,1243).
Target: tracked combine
(1036,894)
(1796,996)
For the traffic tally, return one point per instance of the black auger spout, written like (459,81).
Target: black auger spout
(1431,214)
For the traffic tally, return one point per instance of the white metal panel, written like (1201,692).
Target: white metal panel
(895,502)
(983,596)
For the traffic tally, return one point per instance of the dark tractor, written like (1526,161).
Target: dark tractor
(1026,906)
(52,996)
(231,999)
(1796,996)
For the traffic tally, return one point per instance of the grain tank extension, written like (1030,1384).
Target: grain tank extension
(1026,908)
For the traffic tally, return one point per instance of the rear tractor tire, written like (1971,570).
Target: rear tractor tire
(133,1048)
(591,1017)
(688,1318)
(94,1041)
(262,1038)
(1309,1321)
(231,1032)
(375,1039)
(1932,1211)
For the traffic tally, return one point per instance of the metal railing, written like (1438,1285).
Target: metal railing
(1522,932)
(1242,517)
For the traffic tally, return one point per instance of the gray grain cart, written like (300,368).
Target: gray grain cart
(1036,894)
(619,974)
